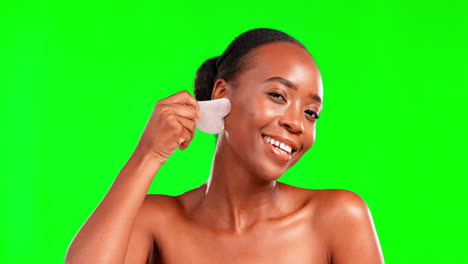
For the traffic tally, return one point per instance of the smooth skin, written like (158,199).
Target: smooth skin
(241,214)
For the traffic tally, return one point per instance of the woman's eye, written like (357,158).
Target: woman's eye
(312,114)
(277,96)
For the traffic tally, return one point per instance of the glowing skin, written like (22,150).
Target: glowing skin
(255,112)
(241,214)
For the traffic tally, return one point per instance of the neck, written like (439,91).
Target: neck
(235,197)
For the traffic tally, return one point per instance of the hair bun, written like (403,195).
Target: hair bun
(234,59)
(205,78)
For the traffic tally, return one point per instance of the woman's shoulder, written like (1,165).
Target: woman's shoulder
(168,204)
(158,208)
(331,201)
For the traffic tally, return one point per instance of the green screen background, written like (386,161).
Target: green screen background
(79,80)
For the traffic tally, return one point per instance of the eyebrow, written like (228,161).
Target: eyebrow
(291,85)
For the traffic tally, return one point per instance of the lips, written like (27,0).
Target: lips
(281,145)
(282,149)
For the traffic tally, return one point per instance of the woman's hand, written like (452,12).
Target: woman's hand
(171,125)
(114,232)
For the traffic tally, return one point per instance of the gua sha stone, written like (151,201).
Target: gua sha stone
(212,116)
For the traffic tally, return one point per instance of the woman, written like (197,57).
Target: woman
(241,214)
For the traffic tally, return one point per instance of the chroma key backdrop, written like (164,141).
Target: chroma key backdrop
(79,79)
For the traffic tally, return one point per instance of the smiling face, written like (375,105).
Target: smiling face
(275,102)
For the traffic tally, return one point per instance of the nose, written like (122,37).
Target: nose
(292,120)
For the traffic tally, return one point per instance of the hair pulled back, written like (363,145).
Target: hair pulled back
(233,61)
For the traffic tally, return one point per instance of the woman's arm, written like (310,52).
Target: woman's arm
(353,236)
(104,237)
(120,217)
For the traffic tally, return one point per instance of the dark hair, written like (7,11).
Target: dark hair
(233,61)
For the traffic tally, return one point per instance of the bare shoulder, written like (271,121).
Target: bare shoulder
(159,201)
(331,206)
(154,215)
(157,210)
(166,208)
(190,199)
(346,222)
(328,199)
(340,202)
(338,208)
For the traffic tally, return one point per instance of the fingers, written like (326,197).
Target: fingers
(184,144)
(183,98)
(187,133)
(188,124)
(181,110)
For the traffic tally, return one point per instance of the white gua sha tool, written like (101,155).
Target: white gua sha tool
(212,116)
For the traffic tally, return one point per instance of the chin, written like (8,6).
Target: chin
(268,167)
(269,172)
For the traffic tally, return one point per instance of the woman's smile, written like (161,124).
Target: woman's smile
(276,94)
(274,108)
(281,148)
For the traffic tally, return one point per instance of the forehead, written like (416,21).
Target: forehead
(286,60)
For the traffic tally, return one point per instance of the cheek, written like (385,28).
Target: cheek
(245,110)
(309,137)
(241,118)
(263,112)
(267,109)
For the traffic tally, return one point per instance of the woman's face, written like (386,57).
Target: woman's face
(277,99)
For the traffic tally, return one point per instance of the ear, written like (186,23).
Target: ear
(221,89)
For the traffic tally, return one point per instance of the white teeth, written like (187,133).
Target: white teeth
(282,147)
(282,151)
